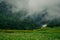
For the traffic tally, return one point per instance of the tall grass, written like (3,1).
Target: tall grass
(38,34)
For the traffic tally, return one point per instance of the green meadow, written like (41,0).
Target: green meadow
(36,34)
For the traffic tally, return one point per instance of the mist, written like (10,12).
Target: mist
(40,10)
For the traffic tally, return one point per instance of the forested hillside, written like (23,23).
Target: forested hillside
(9,20)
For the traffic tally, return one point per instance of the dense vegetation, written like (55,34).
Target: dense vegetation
(39,34)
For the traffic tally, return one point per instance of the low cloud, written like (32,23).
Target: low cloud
(46,9)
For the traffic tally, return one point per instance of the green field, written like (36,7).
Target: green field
(38,34)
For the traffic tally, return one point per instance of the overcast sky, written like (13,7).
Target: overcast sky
(36,6)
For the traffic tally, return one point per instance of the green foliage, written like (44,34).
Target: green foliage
(13,22)
(39,34)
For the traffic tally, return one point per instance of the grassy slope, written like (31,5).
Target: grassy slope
(38,34)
